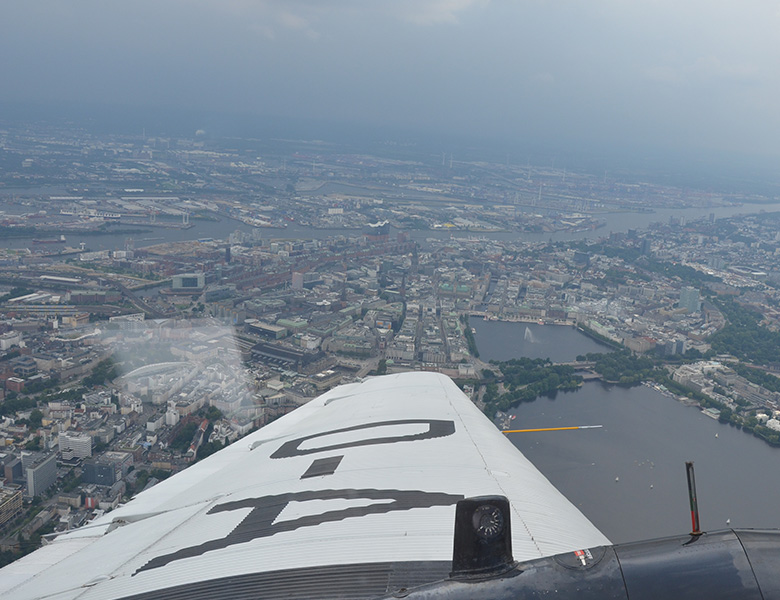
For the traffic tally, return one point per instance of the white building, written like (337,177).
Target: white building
(155,424)
(7,340)
(172,415)
(773,424)
(75,446)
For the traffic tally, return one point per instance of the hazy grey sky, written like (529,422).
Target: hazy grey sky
(670,73)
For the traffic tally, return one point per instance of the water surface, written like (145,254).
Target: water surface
(628,477)
(498,340)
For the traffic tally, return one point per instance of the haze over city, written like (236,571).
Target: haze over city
(695,82)
(219,218)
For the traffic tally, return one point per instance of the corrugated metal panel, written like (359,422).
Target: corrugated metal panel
(342,582)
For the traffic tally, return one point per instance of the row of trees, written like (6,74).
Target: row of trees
(16,292)
(104,371)
(685,273)
(622,366)
(183,439)
(186,433)
(525,379)
(469,335)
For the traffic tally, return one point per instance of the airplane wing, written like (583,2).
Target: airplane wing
(351,495)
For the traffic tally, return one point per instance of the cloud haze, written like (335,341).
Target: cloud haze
(698,75)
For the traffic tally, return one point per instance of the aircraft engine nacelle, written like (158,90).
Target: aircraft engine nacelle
(723,565)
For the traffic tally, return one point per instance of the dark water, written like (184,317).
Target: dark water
(645,440)
(498,340)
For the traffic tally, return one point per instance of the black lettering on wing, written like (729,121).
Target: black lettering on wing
(260,522)
(436,429)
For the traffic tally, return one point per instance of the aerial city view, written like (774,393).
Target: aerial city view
(177,275)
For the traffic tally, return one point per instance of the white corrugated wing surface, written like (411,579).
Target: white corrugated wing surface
(390,497)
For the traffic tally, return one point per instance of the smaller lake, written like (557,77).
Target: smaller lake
(498,340)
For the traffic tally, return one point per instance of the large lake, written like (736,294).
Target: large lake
(644,442)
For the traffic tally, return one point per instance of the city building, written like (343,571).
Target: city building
(41,472)
(74,445)
(188,281)
(13,472)
(689,299)
(268,330)
(99,473)
(14,384)
(10,504)
(12,338)
(377,232)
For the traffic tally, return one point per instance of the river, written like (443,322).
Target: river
(222,228)
(644,441)
(201,229)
